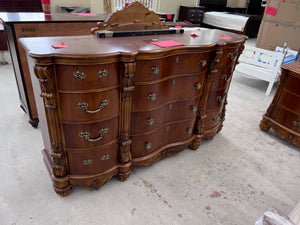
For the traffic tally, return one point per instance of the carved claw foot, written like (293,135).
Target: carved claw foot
(63,191)
(264,125)
(123,176)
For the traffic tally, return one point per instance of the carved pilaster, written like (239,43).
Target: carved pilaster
(45,75)
(127,73)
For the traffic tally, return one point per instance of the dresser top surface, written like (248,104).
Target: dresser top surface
(93,46)
(293,66)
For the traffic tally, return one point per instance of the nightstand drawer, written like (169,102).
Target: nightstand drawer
(93,161)
(146,97)
(289,100)
(149,120)
(143,145)
(173,65)
(89,106)
(292,84)
(83,77)
(80,136)
(286,118)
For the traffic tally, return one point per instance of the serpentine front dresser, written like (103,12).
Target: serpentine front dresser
(109,105)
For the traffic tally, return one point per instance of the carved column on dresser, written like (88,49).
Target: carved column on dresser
(45,76)
(127,73)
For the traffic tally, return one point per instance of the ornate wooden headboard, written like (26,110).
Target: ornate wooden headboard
(133,17)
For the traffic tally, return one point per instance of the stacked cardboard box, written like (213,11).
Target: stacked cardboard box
(282,26)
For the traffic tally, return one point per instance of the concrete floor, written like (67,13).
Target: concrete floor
(230,180)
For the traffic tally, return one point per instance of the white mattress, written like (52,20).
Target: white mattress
(225,20)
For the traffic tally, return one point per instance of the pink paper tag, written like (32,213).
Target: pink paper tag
(126,4)
(168,43)
(194,35)
(178,26)
(169,16)
(271,10)
(61,45)
(224,37)
(84,14)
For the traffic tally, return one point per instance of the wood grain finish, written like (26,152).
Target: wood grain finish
(283,114)
(88,150)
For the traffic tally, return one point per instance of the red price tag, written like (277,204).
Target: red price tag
(61,45)
(271,10)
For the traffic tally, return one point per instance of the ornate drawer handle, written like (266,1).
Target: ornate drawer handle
(149,121)
(197,86)
(80,75)
(224,77)
(154,70)
(102,73)
(202,62)
(296,123)
(170,106)
(147,145)
(173,82)
(230,56)
(105,157)
(86,135)
(87,162)
(216,119)
(167,128)
(220,99)
(85,105)
(152,96)
(177,59)
(193,108)
(188,130)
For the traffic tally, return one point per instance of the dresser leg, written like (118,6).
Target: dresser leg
(34,122)
(63,191)
(196,143)
(124,172)
(264,124)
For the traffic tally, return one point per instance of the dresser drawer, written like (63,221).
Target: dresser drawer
(89,106)
(143,145)
(286,118)
(146,97)
(213,118)
(228,57)
(87,77)
(80,136)
(290,101)
(221,78)
(216,99)
(156,69)
(146,121)
(292,84)
(94,161)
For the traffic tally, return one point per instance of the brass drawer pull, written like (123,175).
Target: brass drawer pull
(230,56)
(296,123)
(224,77)
(220,99)
(173,82)
(154,70)
(188,130)
(80,75)
(177,59)
(167,128)
(202,62)
(102,73)
(149,121)
(86,135)
(216,119)
(152,97)
(170,106)
(87,162)
(105,157)
(193,108)
(197,86)
(84,106)
(147,145)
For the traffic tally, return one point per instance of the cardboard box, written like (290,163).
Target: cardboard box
(283,27)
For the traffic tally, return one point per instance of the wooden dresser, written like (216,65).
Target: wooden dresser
(109,105)
(283,115)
